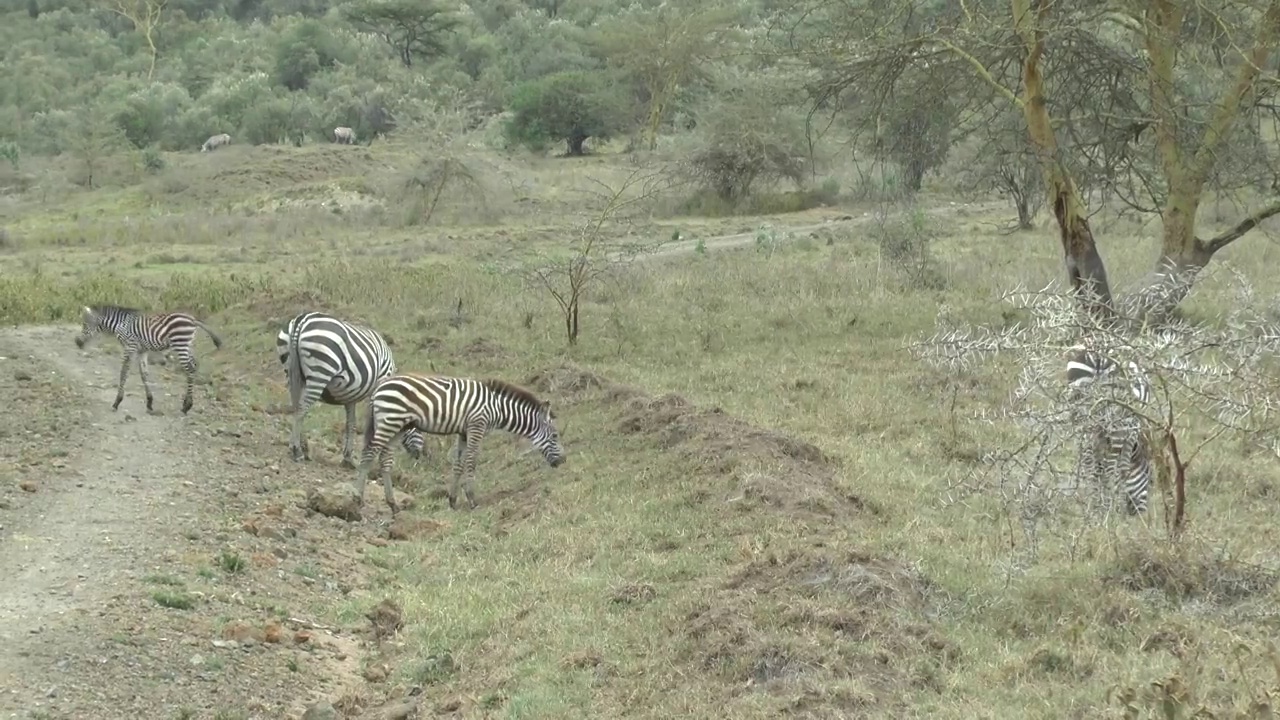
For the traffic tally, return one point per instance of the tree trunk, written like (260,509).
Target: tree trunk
(914,179)
(575,143)
(1085,269)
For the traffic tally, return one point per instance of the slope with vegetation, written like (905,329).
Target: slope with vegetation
(766,211)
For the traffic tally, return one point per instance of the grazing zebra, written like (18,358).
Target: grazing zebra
(215,141)
(141,334)
(337,363)
(464,407)
(1115,448)
(344,135)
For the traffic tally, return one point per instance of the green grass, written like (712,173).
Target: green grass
(695,557)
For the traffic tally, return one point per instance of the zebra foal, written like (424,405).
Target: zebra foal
(334,362)
(464,407)
(141,334)
(1116,448)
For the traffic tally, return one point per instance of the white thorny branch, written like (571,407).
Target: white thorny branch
(1206,378)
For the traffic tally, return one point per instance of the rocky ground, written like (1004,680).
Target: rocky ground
(162,566)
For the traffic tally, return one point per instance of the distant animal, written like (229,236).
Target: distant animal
(465,407)
(1116,451)
(215,141)
(337,363)
(344,135)
(141,334)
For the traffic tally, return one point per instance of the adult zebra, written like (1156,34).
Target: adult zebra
(337,363)
(141,334)
(1115,448)
(464,407)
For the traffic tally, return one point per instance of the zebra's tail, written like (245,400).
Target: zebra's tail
(294,364)
(217,341)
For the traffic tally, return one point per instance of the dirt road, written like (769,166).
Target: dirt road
(128,587)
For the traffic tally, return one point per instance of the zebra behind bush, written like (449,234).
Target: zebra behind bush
(337,363)
(141,334)
(464,407)
(1114,448)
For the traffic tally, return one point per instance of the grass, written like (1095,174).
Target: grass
(754,516)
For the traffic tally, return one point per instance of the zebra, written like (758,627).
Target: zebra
(1115,447)
(465,407)
(215,141)
(344,135)
(337,363)
(142,334)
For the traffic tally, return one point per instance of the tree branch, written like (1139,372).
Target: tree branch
(1228,108)
(983,73)
(1235,233)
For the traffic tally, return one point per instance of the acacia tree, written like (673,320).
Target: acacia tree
(1148,101)
(410,27)
(145,16)
(663,48)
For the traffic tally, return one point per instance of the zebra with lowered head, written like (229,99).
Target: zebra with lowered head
(334,362)
(142,334)
(465,407)
(1115,449)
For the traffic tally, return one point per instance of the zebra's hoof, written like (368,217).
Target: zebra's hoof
(346,463)
(453,503)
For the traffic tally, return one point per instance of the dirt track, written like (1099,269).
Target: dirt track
(101,512)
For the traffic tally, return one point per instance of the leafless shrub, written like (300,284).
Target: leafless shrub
(1206,379)
(427,182)
(596,252)
(905,235)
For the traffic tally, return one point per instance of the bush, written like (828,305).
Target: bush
(568,106)
(744,140)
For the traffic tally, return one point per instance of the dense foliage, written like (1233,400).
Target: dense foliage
(275,71)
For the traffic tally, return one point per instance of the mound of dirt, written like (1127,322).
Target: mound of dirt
(815,628)
(763,468)
(769,469)
(1184,574)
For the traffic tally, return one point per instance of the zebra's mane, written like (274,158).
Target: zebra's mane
(515,392)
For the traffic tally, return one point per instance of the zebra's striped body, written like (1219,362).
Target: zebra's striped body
(464,407)
(336,363)
(141,334)
(1115,449)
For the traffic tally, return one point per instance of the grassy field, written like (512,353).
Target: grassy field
(754,516)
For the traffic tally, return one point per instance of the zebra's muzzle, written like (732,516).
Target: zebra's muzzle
(80,342)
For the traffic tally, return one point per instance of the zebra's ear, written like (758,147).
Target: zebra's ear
(545,405)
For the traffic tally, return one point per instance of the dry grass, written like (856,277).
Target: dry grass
(753,518)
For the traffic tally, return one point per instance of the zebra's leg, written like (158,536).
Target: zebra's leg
(189,364)
(311,391)
(384,472)
(469,461)
(388,454)
(146,381)
(124,375)
(347,434)
(457,470)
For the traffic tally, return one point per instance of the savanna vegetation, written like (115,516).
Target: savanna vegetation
(755,254)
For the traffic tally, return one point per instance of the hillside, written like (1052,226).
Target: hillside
(790,275)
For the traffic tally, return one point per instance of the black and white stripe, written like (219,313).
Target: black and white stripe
(141,334)
(1115,448)
(334,362)
(464,407)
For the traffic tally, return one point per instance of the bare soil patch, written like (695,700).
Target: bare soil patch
(157,565)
